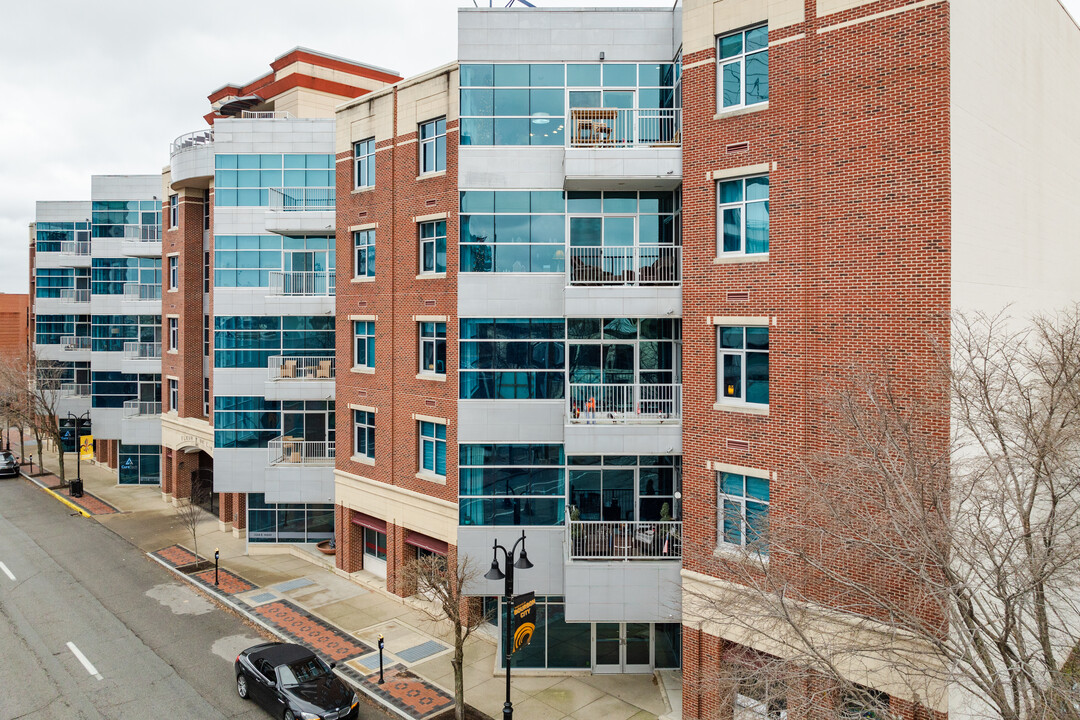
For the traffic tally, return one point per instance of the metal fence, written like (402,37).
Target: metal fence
(287,450)
(625,265)
(606,403)
(624,127)
(624,539)
(285,367)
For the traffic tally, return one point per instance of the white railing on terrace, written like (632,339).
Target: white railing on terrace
(74,247)
(299,199)
(265,115)
(284,367)
(596,403)
(297,451)
(142,233)
(142,350)
(625,265)
(141,408)
(624,127)
(77,295)
(141,291)
(75,390)
(624,539)
(75,342)
(196,139)
(316,282)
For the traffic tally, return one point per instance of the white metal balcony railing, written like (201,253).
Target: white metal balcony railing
(75,390)
(624,403)
(320,282)
(625,265)
(284,367)
(624,539)
(142,233)
(75,247)
(141,408)
(300,199)
(265,115)
(142,350)
(297,451)
(196,139)
(141,291)
(76,295)
(75,342)
(624,127)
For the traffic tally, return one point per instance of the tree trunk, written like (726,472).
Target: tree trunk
(458,663)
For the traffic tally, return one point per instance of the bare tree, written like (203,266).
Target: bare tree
(190,513)
(32,388)
(926,556)
(445,585)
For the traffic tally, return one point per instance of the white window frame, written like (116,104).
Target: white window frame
(739,205)
(433,341)
(174,211)
(435,442)
(174,395)
(722,352)
(741,500)
(364,164)
(206,396)
(367,249)
(422,142)
(421,241)
(357,426)
(174,272)
(740,59)
(369,361)
(174,333)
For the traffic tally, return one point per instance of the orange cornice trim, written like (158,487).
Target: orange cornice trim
(332,64)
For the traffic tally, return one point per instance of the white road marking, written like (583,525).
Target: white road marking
(82,658)
(7,572)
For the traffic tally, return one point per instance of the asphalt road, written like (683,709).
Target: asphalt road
(91,628)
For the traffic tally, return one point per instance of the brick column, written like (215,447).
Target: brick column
(395,559)
(240,511)
(225,507)
(182,467)
(167,478)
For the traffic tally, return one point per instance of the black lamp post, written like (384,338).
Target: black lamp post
(76,490)
(522,563)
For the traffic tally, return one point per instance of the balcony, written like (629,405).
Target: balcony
(142,292)
(303,199)
(191,158)
(75,295)
(265,115)
(141,409)
(142,351)
(284,367)
(70,343)
(192,140)
(640,148)
(297,451)
(614,540)
(75,390)
(78,248)
(319,283)
(628,265)
(142,233)
(620,404)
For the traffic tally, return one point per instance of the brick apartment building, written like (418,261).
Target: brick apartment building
(14,323)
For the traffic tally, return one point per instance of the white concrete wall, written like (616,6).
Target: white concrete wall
(510,421)
(62,211)
(125,187)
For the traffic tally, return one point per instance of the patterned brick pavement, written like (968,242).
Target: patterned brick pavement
(229,583)
(306,629)
(404,690)
(175,556)
(93,505)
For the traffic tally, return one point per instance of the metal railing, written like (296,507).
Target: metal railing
(299,199)
(74,247)
(265,115)
(625,265)
(75,342)
(142,233)
(285,367)
(624,127)
(77,295)
(141,408)
(196,139)
(315,282)
(75,390)
(141,291)
(297,451)
(142,350)
(607,403)
(624,539)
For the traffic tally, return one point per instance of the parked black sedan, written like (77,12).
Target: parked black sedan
(292,683)
(9,466)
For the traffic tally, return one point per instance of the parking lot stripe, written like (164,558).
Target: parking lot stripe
(82,658)
(7,572)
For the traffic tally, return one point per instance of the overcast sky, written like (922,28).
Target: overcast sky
(102,88)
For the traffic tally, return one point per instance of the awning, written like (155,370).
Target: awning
(427,543)
(371,523)
(236,105)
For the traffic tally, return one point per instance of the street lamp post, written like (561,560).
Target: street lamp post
(77,491)
(522,563)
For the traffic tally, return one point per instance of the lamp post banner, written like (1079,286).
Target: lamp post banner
(86,447)
(524,620)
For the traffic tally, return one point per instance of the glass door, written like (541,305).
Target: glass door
(622,648)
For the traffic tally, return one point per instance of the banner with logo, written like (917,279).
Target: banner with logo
(86,447)
(524,620)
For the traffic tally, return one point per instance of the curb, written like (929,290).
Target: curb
(243,612)
(56,495)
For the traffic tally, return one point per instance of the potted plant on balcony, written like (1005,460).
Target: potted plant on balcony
(670,537)
(577,532)
(327,547)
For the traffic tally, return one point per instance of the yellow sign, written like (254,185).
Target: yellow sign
(86,447)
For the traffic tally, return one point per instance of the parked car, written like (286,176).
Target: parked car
(291,682)
(9,466)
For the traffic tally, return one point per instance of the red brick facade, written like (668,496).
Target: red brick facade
(856,135)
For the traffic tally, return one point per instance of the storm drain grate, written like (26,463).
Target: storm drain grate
(293,584)
(262,597)
(421,651)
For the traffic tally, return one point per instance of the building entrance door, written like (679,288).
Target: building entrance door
(622,648)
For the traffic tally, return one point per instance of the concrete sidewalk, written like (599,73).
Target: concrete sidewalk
(297,593)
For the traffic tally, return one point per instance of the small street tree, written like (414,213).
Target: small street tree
(31,396)
(190,513)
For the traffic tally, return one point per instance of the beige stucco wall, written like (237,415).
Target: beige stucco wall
(1015,155)
(398,506)
(703,20)
(428,97)
(184,432)
(364,119)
